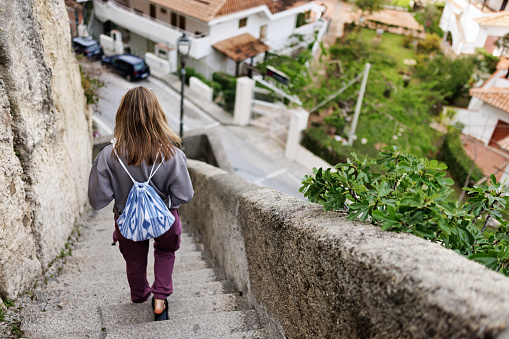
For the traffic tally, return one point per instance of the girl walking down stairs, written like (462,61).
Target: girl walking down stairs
(90,298)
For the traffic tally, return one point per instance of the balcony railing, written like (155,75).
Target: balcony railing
(160,22)
(151,28)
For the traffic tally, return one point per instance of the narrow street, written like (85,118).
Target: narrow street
(253,155)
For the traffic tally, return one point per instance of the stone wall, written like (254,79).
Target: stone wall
(45,144)
(314,274)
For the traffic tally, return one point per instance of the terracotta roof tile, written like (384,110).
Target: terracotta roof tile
(203,10)
(500,19)
(495,96)
(396,18)
(206,10)
(233,6)
(241,47)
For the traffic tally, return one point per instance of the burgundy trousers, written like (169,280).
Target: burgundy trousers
(135,254)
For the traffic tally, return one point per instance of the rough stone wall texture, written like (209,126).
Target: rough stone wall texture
(45,139)
(317,275)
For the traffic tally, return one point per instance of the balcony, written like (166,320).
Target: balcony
(150,28)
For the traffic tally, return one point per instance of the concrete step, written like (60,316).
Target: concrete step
(118,278)
(99,265)
(106,234)
(104,246)
(88,321)
(56,299)
(214,325)
(84,323)
(115,259)
(254,334)
(116,316)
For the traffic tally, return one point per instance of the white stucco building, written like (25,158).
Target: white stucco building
(487,118)
(225,34)
(487,121)
(472,24)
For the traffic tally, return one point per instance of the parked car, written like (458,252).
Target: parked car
(88,47)
(129,66)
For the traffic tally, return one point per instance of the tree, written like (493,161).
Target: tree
(448,76)
(369,6)
(503,44)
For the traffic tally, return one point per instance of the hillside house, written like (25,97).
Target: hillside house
(225,34)
(487,121)
(471,24)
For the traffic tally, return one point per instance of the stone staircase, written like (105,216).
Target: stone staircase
(90,297)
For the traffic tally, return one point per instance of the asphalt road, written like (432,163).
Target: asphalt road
(253,155)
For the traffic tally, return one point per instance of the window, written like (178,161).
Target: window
(152,10)
(242,22)
(174,19)
(263,32)
(163,10)
(182,22)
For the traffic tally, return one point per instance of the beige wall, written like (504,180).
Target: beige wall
(45,140)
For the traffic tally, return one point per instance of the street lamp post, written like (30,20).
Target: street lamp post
(183,47)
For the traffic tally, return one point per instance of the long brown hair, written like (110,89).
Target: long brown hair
(141,129)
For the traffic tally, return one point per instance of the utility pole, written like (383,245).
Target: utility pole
(359,104)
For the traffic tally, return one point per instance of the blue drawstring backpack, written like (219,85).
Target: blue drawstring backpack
(145,215)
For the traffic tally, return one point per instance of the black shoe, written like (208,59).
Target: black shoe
(164,314)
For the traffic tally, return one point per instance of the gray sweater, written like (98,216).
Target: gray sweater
(108,180)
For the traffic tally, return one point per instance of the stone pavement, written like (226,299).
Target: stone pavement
(90,297)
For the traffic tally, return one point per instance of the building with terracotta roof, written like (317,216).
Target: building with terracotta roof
(224,34)
(472,24)
(485,134)
(487,117)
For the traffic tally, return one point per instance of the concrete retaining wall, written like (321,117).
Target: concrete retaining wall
(314,274)
(201,88)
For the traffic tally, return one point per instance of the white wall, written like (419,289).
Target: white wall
(279,31)
(492,116)
(481,124)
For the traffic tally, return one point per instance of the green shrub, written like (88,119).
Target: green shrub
(458,162)
(485,61)
(407,41)
(90,86)
(226,85)
(430,44)
(324,146)
(403,193)
(335,120)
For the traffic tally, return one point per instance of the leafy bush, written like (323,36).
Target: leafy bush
(485,61)
(408,40)
(324,146)
(335,120)
(90,86)
(227,86)
(459,163)
(431,14)
(410,195)
(445,75)
(430,44)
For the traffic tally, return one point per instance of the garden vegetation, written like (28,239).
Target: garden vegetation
(402,193)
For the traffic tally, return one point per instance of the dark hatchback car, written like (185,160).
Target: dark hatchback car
(88,47)
(129,66)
